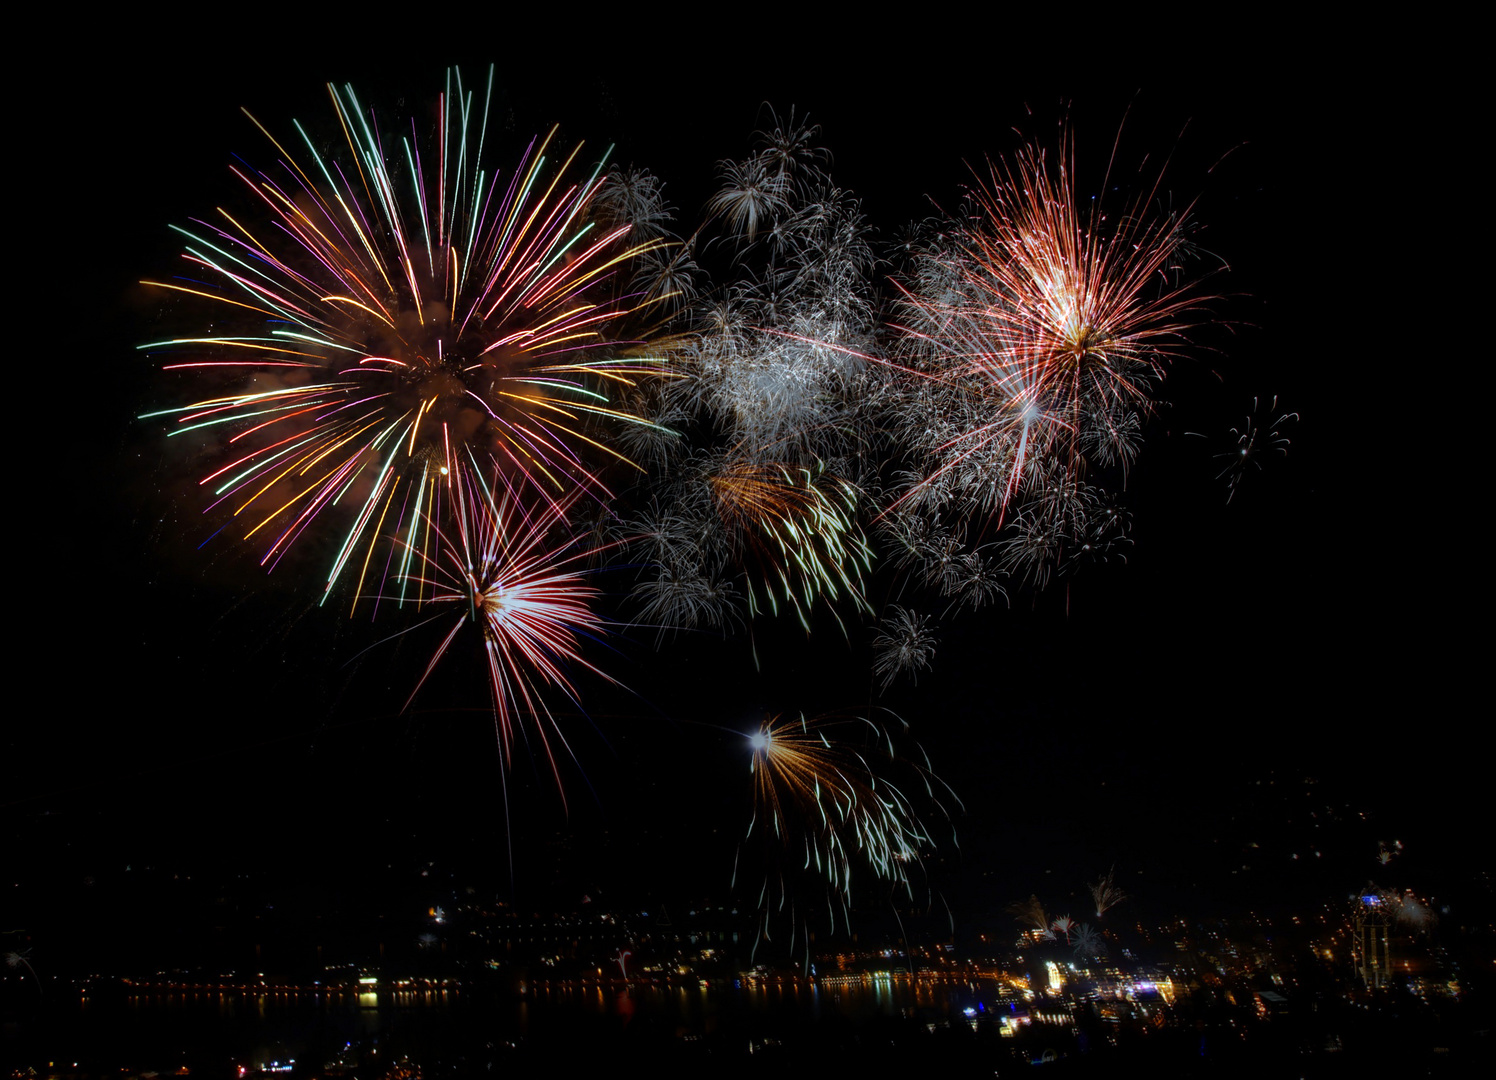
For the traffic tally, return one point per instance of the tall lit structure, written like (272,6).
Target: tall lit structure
(1056,982)
(1373,960)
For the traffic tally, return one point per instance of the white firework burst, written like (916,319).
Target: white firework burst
(904,644)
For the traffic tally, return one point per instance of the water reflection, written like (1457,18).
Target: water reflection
(425,1020)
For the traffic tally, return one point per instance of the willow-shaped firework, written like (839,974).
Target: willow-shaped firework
(1106,893)
(407,315)
(801,526)
(827,805)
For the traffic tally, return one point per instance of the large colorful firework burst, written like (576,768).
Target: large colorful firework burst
(407,315)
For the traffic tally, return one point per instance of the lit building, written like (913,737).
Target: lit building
(1373,960)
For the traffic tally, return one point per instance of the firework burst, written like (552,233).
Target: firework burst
(1088,942)
(1057,321)
(826,803)
(516,576)
(1030,913)
(408,315)
(1261,435)
(801,525)
(1106,893)
(1034,335)
(904,643)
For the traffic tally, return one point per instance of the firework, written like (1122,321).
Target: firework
(682,598)
(1030,913)
(826,803)
(406,315)
(513,574)
(1063,320)
(801,526)
(1106,894)
(1261,435)
(751,194)
(1063,925)
(1414,913)
(904,644)
(1406,907)
(18,958)
(788,535)
(1088,942)
(1034,335)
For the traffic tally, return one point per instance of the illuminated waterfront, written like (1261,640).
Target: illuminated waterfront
(151,1026)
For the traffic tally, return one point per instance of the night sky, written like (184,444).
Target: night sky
(176,707)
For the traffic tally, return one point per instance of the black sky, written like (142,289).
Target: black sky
(177,705)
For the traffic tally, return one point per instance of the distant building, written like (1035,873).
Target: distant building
(1373,960)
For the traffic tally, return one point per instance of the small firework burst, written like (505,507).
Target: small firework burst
(1260,436)
(904,645)
(1106,893)
(801,526)
(514,574)
(1088,942)
(1030,913)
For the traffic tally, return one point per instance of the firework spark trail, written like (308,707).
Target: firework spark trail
(501,564)
(825,803)
(420,315)
(1106,893)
